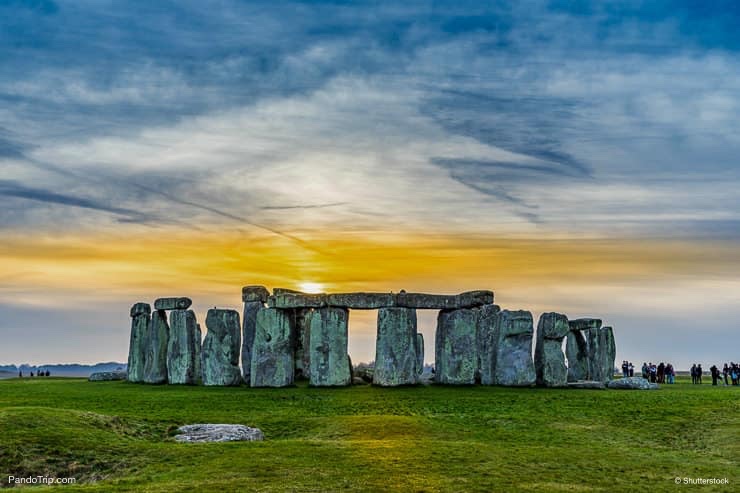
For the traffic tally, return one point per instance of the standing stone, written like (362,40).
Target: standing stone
(456,355)
(576,348)
(514,365)
(330,365)
(255,293)
(601,353)
(137,347)
(221,348)
(155,362)
(272,352)
(183,349)
(249,327)
(549,360)
(419,353)
(301,342)
(395,347)
(488,336)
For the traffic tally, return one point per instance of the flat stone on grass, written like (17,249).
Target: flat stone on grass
(205,432)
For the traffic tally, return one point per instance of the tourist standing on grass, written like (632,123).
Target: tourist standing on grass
(631,369)
(20,375)
(725,373)
(669,373)
(625,369)
(699,373)
(715,374)
(693,373)
(661,372)
(645,371)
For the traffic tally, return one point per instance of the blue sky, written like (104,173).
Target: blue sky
(567,121)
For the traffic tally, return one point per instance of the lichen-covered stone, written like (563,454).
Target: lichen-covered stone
(419,353)
(632,383)
(137,349)
(221,348)
(330,366)
(514,364)
(395,347)
(456,354)
(488,333)
(183,349)
(576,351)
(206,432)
(472,299)
(297,300)
(106,376)
(155,361)
(301,342)
(249,326)
(180,303)
(601,353)
(255,293)
(584,324)
(549,360)
(272,352)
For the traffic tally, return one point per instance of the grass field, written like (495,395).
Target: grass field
(116,436)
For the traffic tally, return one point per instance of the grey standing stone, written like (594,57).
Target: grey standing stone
(155,362)
(601,353)
(183,349)
(249,321)
(488,337)
(301,342)
(514,365)
(549,360)
(419,353)
(137,347)
(395,347)
(330,365)
(180,303)
(221,348)
(456,361)
(576,350)
(272,352)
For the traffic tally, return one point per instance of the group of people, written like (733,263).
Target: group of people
(661,373)
(40,373)
(730,373)
(628,369)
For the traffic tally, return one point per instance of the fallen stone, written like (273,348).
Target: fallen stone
(105,376)
(297,300)
(272,352)
(218,433)
(549,360)
(365,373)
(395,347)
(302,342)
(330,366)
(255,293)
(137,349)
(488,335)
(183,349)
(362,301)
(172,303)
(419,353)
(155,362)
(632,383)
(221,348)
(587,384)
(514,365)
(456,355)
(584,324)
(249,326)
(576,351)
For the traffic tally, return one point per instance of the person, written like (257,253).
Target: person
(644,370)
(715,374)
(734,373)
(693,373)
(653,373)
(48,373)
(20,374)
(625,369)
(631,369)
(669,373)
(661,372)
(699,373)
(725,373)
(31,374)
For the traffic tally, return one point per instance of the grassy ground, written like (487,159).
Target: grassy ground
(115,436)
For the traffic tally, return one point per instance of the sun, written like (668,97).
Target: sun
(311,287)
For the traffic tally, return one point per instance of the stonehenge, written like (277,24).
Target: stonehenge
(287,336)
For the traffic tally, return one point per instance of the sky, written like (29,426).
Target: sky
(578,157)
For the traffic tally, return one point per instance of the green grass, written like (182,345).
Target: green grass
(116,436)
